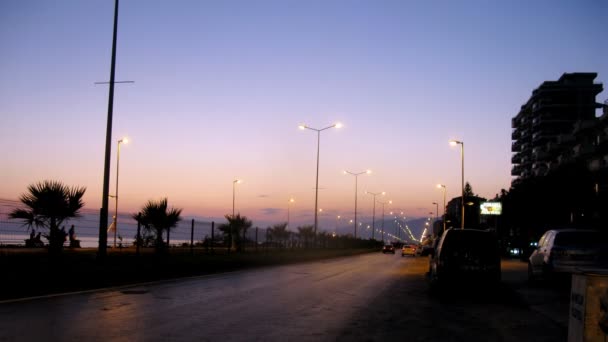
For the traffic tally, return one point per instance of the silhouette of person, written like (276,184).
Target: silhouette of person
(37,238)
(32,234)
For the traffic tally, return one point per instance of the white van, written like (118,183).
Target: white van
(562,251)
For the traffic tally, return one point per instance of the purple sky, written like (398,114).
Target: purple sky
(221,86)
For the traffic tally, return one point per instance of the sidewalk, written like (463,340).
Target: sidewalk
(551,301)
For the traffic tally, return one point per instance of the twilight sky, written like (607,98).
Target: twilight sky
(221,86)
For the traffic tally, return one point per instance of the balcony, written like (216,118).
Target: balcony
(516,170)
(516,159)
(516,134)
(516,146)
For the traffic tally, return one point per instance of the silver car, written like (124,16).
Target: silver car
(563,251)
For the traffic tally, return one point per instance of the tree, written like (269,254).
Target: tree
(279,233)
(307,234)
(236,226)
(468,190)
(156,217)
(49,203)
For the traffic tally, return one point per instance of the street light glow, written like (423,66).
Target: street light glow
(302,126)
(338,125)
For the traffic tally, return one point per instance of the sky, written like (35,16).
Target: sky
(220,88)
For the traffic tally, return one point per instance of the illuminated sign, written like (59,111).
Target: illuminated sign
(491,208)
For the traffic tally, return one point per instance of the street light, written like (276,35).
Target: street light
(356,174)
(442,186)
(374,211)
(337,219)
(291,200)
(336,125)
(454,143)
(121,141)
(234,183)
(383,203)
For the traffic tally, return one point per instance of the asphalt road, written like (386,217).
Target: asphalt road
(364,298)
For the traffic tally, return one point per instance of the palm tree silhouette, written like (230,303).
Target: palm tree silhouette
(155,216)
(236,226)
(49,203)
(307,234)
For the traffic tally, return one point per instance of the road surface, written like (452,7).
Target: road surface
(364,298)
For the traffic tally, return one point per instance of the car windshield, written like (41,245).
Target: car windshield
(577,239)
(479,243)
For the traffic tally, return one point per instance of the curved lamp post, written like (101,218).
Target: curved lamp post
(291,200)
(121,141)
(356,174)
(454,143)
(336,125)
(383,203)
(374,210)
(442,186)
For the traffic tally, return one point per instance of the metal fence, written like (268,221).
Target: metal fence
(86,226)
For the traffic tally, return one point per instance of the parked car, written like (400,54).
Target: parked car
(388,249)
(424,250)
(562,251)
(408,250)
(466,256)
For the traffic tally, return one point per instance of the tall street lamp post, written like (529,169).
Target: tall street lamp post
(234,183)
(442,186)
(374,210)
(454,143)
(121,141)
(291,200)
(336,125)
(103,215)
(436,210)
(356,174)
(383,203)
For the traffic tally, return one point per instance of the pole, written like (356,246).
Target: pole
(192,237)
(356,186)
(103,217)
(374,218)
(462,182)
(212,235)
(116,193)
(256,239)
(317,182)
(138,234)
(382,222)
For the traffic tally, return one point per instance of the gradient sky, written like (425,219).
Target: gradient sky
(221,86)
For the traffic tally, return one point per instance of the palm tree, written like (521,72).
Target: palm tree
(234,227)
(306,233)
(280,233)
(157,217)
(49,204)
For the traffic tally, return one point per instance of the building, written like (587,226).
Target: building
(560,160)
(551,128)
(472,217)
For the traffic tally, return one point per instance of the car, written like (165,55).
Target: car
(388,249)
(424,250)
(408,250)
(560,252)
(465,256)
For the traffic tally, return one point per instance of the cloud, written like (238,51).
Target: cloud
(263,196)
(270,211)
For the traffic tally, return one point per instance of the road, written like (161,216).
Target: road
(364,298)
